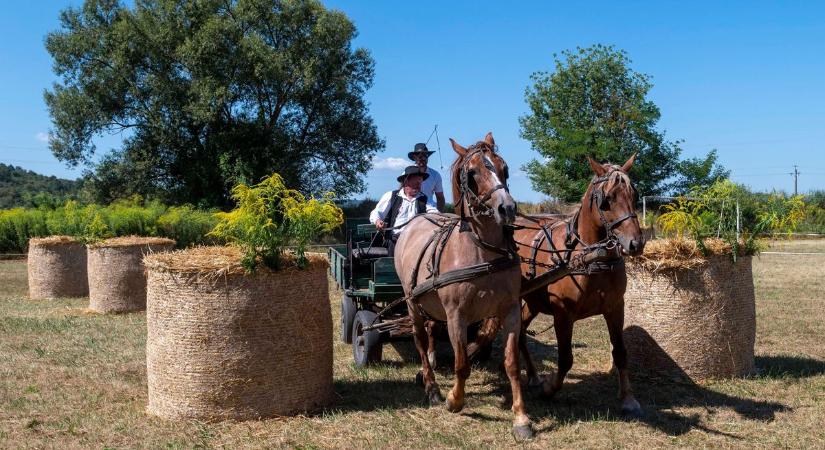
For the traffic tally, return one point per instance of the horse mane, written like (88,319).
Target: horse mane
(455,170)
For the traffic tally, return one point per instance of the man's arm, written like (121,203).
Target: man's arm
(377,214)
(439,201)
(438,190)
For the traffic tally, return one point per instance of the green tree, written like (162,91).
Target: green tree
(594,104)
(699,172)
(210,93)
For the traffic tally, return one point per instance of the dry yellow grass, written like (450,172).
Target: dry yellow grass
(72,380)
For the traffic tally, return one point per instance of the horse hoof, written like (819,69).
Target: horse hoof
(631,410)
(453,408)
(419,378)
(547,392)
(523,432)
(435,398)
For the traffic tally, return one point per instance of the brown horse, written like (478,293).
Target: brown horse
(470,270)
(606,217)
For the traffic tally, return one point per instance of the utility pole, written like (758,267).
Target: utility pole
(795,175)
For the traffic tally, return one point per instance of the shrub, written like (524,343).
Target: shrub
(18,225)
(269,217)
(186,225)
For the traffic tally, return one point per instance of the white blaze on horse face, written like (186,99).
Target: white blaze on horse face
(489,163)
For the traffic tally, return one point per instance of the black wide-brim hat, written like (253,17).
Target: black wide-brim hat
(419,149)
(412,170)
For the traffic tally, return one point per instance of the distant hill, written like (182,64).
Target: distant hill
(21,187)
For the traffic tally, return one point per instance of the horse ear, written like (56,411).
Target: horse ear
(598,168)
(458,149)
(489,140)
(629,163)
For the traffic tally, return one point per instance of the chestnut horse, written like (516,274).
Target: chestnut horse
(469,270)
(606,218)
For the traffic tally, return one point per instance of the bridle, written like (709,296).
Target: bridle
(598,197)
(474,202)
(572,239)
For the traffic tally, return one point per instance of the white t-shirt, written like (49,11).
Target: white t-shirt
(431,185)
(406,212)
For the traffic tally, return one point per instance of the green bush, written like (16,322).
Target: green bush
(18,225)
(187,225)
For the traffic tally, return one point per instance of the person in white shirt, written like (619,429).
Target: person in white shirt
(399,206)
(431,187)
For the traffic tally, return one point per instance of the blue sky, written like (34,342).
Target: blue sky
(745,78)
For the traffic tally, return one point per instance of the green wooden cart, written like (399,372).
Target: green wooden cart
(365,273)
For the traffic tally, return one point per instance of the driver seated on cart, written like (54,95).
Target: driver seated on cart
(399,206)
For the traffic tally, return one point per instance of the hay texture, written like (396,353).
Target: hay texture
(222,344)
(57,268)
(117,278)
(697,322)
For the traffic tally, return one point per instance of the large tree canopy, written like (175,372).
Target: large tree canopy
(210,93)
(594,104)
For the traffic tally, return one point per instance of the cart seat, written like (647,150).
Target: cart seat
(370,252)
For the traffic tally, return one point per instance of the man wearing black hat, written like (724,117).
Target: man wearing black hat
(397,207)
(431,187)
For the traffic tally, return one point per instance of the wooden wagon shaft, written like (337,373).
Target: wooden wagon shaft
(390,325)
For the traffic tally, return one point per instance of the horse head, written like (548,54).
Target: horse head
(612,198)
(479,176)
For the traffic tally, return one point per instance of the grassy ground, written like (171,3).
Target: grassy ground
(69,379)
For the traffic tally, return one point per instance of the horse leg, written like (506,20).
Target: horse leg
(615,325)
(527,316)
(564,340)
(512,330)
(420,337)
(430,325)
(457,329)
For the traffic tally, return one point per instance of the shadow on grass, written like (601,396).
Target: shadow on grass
(786,366)
(375,394)
(594,396)
(591,397)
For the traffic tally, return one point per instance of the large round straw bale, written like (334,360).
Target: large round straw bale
(698,322)
(57,268)
(117,278)
(223,344)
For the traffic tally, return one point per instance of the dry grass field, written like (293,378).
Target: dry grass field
(69,379)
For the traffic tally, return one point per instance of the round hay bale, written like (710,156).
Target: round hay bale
(57,268)
(223,344)
(117,278)
(697,322)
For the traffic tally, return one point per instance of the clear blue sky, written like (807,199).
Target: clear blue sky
(745,78)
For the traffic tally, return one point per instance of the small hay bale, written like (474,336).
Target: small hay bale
(57,268)
(696,321)
(117,278)
(223,344)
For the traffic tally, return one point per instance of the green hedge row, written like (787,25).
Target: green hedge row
(185,224)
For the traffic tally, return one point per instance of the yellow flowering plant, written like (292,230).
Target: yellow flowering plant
(269,217)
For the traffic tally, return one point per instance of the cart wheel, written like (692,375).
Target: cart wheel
(366,345)
(348,311)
